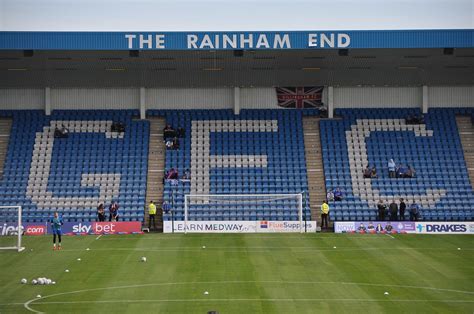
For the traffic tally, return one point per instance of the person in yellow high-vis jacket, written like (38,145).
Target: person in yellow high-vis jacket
(324,214)
(152,214)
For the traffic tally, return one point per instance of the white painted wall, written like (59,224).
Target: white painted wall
(377,97)
(222,98)
(95,98)
(21,99)
(450,96)
(189,98)
(258,98)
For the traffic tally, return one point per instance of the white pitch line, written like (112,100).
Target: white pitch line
(388,235)
(98,237)
(27,303)
(261,237)
(265,249)
(253,300)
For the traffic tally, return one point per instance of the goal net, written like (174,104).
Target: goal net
(244,207)
(11,230)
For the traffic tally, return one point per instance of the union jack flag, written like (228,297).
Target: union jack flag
(300,97)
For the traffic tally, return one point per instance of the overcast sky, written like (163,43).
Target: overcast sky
(226,15)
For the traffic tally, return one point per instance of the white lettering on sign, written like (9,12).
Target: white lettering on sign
(329,40)
(145,41)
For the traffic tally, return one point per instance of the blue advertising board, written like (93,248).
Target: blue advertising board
(237,40)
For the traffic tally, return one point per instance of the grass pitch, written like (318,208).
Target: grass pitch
(264,273)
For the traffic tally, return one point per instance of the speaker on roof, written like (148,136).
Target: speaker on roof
(343,52)
(238,53)
(448,51)
(28,53)
(134,53)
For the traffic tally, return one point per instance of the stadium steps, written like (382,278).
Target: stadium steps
(314,165)
(5,128)
(466,133)
(156,166)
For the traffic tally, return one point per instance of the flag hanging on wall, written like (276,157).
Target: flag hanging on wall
(300,97)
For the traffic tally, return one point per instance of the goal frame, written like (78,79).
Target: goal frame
(18,246)
(298,196)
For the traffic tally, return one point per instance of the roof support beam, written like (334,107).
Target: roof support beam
(425,100)
(142,103)
(330,102)
(47,101)
(236,100)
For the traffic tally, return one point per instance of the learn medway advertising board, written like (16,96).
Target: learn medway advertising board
(263,226)
(425,227)
(41,228)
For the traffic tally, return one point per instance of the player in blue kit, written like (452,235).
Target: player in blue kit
(56,223)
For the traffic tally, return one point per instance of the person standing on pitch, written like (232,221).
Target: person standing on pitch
(152,214)
(324,214)
(56,223)
(393,208)
(403,206)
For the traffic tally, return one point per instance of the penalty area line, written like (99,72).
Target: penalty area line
(388,235)
(98,237)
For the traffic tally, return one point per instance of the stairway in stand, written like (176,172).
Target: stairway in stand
(5,128)
(314,166)
(156,167)
(466,133)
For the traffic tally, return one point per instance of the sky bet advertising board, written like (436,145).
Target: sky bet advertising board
(99,227)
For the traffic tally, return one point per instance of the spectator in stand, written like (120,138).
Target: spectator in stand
(415,119)
(401,171)
(113,212)
(171,174)
(367,172)
(410,173)
(64,131)
(175,144)
(330,196)
(338,195)
(181,132)
(391,168)
(373,172)
(393,208)
(168,132)
(169,144)
(101,212)
(403,206)
(152,214)
(414,211)
(381,208)
(165,207)
(187,175)
(324,214)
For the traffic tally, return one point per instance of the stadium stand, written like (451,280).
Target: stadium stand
(256,152)
(373,136)
(73,175)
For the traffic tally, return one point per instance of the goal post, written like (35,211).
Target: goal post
(12,228)
(253,207)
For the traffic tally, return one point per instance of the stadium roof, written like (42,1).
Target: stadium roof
(392,58)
